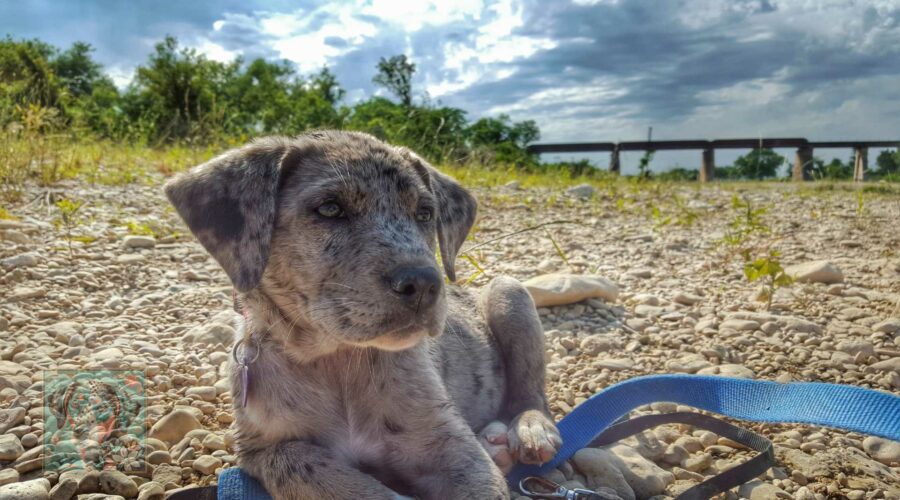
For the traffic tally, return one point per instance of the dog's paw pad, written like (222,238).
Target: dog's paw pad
(494,439)
(533,438)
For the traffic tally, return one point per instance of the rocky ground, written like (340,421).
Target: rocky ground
(671,299)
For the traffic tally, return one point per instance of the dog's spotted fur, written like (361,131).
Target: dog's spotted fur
(355,395)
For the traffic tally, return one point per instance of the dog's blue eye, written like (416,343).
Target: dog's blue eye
(424,214)
(330,210)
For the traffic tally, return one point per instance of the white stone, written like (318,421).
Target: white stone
(890,325)
(110,353)
(691,363)
(114,482)
(36,489)
(560,289)
(139,241)
(207,464)
(687,299)
(595,344)
(740,325)
(888,365)
(759,490)
(22,260)
(10,447)
(174,426)
(817,271)
(883,450)
(206,393)
(601,468)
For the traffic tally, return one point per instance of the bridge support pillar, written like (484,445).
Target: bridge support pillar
(861,163)
(802,161)
(614,165)
(708,165)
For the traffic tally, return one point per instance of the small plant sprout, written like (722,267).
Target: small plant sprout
(860,205)
(559,250)
(659,220)
(479,270)
(768,270)
(747,223)
(67,218)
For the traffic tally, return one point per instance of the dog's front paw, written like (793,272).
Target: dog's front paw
(495,439)
(533,438)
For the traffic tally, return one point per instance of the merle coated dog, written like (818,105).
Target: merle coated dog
(368,375)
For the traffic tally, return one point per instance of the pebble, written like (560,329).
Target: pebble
(157,457)
(687,299)
(698,463)
(35,489)
(151,490)
(214,442)
(8,475)
(10,418)
(114,482)
(595,344)
(19,261)
(210,334)
(23,293)
(64,489)
(206,393)
(819,271)
(206,464)
(139,241)
(10,447)
(758,490)
(740,325)
(883,450)
(174,426)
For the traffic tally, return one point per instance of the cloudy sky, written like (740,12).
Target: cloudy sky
(585,70)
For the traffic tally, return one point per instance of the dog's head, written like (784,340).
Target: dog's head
(339,228)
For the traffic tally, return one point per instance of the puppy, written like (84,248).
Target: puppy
(367,375)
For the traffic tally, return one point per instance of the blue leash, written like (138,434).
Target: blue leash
(830,405)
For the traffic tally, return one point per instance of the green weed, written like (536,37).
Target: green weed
(67,219)
(767,269)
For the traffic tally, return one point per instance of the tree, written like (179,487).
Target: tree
(758,164)
(325,84)
(437,133)
(888,162)
(178,91)
(77,70)
(27,78)
(395,74)
(834,170)
(501,140)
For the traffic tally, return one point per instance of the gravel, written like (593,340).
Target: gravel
(670,301)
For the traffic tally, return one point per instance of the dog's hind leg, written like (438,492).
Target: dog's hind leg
(514,323)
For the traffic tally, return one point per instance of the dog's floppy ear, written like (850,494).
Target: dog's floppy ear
(229,204)
(456,211)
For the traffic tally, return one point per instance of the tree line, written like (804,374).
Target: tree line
(765,163)
(180,96)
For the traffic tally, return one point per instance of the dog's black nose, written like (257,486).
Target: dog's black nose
(418,287)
